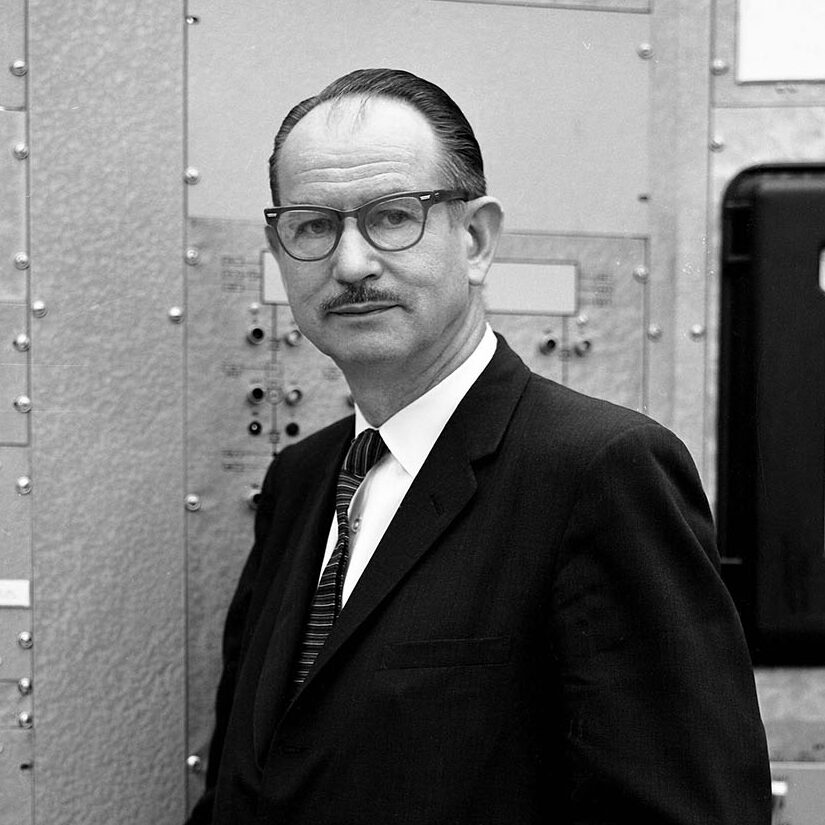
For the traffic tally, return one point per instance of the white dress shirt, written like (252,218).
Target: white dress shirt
(409,435)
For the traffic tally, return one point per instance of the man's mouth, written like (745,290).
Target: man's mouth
(369,308)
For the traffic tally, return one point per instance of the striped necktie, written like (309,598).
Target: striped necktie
(363,452)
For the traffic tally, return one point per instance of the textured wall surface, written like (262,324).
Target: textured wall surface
(107,200)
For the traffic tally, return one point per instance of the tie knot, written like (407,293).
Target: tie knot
(363,452)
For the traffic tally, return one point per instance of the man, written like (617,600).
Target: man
(518,617)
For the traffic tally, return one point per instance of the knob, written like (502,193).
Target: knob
(256,394)
(547,345)
(293,396)
(256,334)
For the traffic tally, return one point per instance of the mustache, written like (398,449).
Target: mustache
(359,294)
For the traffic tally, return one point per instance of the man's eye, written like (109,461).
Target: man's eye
(392,217)
(314,228)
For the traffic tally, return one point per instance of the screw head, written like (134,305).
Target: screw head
(176,315)
(25,719)
(21,260)
(39,309)
(24,486)
(192,256)
(719,66)
(717,144)
(24,685)
(194,763)
(25,639)
(20,151)
(23,403)
(191,176)
(654,332)
(645,51)
(193,502)
(697,332)
(22,342)
(18,68)
(641,274)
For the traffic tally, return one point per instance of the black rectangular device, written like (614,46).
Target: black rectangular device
(771,424)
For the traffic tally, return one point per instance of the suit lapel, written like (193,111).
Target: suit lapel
(441,490)
(280,631)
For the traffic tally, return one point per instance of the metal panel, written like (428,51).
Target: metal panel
(726,90)
(602,350)
(558,98)
(15,515)
(225,461)
(594,5)
(13,150)
(15,658)
(12,50)
(16,777)
(107,204)
(13,703)
(14,379)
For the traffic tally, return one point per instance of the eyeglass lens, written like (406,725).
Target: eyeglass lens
(390,225)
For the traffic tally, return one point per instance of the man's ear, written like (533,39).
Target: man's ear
(483,221)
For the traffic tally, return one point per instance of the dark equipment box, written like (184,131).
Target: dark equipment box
(771,425)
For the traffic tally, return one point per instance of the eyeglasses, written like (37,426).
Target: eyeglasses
(390,223)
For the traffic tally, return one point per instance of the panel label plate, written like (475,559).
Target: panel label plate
(15,593)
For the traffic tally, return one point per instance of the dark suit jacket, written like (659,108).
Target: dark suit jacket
(542,636)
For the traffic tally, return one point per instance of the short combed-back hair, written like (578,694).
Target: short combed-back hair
(461,162)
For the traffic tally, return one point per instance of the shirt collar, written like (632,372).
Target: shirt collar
(411,433)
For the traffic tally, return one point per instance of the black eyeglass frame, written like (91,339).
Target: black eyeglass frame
(427,199)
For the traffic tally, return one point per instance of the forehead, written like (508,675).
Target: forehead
(354,147)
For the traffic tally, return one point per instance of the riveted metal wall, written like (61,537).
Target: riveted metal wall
(96,173)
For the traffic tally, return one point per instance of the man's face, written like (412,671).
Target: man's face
(362,306)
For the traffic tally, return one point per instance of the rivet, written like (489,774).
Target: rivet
(293,337)
(717,144)
(641,274)
(20,151)
(194,763)
(24,719)
(697,332)
(25,639)
(175,315)
(39,309)
(18,68)
(719,66)
(22,342)
(192,256)
(23,485)
(21,260)
(23,403)
(24,685)
(191,176)
(654,332)
(645,51)
(293,397)
(193,502)
(583,320)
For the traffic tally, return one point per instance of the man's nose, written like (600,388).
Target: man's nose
(354,258)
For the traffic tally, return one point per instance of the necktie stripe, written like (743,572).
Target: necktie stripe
(363,453)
